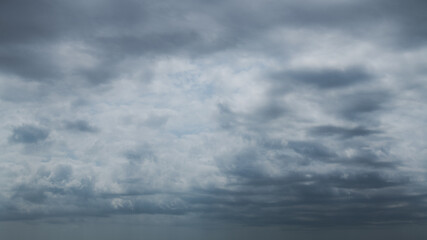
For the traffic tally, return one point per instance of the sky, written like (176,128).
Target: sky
(142,119)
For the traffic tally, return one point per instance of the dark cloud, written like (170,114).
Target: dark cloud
(409,18)
(154,42)
(101,27)
(30,194)
(329,137)
(29,25)
(307,199)
(256,120)
(80,126)
(61,173)
(369,159)
(274,182)
(29,63)
(31,39)
(324,78)
(28,134)
(311,150)
(100,74)
(270,111)
(342,132)
(362,104)
(80,200)
(140,154)
(226,117)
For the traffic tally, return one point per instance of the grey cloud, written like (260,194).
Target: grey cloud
(362,104)
(271,111)
(153,42)
(254,197)
(366,180)
(28,134)
(245,164)
(345,180)
(156,121)
(39,190)
(140,154)
(355,18)
(369,159)
(28,25)
(329,144)
(325,78)
(62,173)
(303,199)
(226,117)
(257,120)
(342,132)
(82,200)
(20,93)
(80,126)
(31,36)
(29,63)
(100,74)
(30,194)
(270,181)
(63,19)
(312,150)
(85,190)
(271,143)
(100,26)
(409,18)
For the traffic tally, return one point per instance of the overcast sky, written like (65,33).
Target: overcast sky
(233,119)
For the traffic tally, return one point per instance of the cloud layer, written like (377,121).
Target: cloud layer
(289,113)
